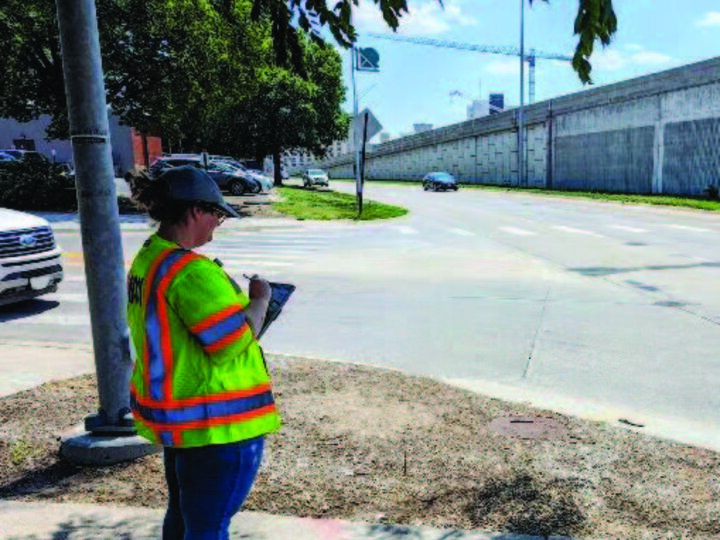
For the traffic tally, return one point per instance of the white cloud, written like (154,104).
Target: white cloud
(711,18)
(649,58)
(508,66)
(422,19)
(629,57)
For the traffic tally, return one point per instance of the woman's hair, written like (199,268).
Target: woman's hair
(153,196)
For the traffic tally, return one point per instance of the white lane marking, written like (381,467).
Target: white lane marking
(688,228)
(79,278)
(404,229)
(516,231)
(629,229)
(573,230)
(461,232)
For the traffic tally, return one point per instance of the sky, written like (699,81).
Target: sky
(421,84)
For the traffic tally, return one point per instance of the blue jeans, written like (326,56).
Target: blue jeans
(207,486)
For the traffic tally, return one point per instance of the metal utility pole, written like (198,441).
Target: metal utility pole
(99,221)
(521,110)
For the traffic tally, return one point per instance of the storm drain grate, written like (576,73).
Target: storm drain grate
(529,427)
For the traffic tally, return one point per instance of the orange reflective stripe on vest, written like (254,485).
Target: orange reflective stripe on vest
(158,352)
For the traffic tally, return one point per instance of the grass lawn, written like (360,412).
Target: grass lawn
(698,202)
(328,205)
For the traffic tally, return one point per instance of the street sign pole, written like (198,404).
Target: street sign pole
(356,146)
(97,202)
(362,161)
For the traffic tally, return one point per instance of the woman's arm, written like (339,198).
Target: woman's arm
(259,292)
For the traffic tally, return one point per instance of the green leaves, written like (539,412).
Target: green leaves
(595,21)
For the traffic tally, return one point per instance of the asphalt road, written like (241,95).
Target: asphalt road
(598,309)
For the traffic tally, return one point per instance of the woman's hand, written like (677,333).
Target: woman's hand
(259,289)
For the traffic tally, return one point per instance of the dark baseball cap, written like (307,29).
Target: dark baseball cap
(188,183)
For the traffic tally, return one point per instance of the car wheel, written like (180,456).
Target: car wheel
(237,188)
(425,187)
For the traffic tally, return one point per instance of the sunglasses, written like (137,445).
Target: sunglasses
(219,213)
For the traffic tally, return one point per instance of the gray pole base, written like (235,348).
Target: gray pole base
(80,447)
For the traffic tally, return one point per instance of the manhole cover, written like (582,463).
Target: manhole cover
(528,427)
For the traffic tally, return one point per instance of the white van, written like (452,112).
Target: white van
(30,263)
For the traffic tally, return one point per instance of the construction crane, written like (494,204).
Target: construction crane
(490,49)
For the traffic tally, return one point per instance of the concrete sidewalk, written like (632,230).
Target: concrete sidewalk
(19,520)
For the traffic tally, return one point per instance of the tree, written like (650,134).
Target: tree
(287,110)
(166,62)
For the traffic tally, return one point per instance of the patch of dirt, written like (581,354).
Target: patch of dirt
(255,205)
(370,444)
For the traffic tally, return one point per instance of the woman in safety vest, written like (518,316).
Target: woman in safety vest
(200,386)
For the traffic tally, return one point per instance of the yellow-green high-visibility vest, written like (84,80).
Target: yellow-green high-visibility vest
(199,376)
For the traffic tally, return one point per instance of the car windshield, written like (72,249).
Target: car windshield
(315,171)
(443,177)
(225,167)
(181,162)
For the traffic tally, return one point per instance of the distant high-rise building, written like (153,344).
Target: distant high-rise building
(384,137)
(496,103)
(419,128)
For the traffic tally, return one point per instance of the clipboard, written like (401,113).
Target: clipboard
(280,294)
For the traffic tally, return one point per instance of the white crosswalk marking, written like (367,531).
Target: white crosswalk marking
(461,232)
(688,228)
(261,262)
(516,231)
(573,230)
(404,229)
(268,253)
(52,318)
(626,228)
(67,297)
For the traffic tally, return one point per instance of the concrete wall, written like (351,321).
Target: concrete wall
(654,134)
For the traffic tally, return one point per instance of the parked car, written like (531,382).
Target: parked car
(30,263)
(5,157)
(439,181)
(315,177)
(229,178)
(169,161)
(21,155)
(262,182)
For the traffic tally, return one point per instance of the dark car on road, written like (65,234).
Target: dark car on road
(439,181)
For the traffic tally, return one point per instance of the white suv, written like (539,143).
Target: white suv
(30,263)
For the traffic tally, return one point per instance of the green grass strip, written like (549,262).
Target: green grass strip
(697,203)
(329,205)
